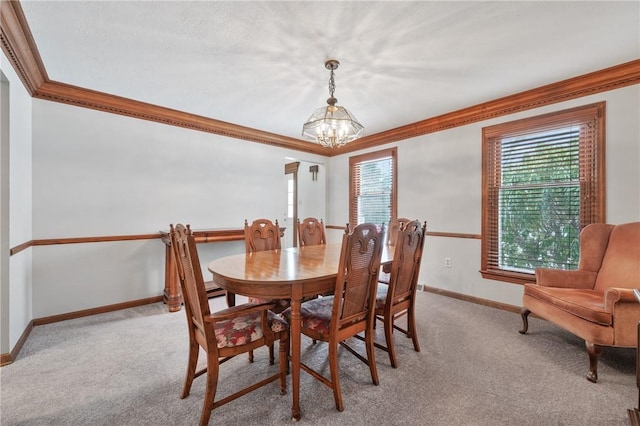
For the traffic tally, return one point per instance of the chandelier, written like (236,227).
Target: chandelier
(332,126)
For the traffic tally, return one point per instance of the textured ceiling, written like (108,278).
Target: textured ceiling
(260,64)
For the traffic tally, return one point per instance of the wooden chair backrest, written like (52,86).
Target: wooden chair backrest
(407,258)
(311,232)
(394,227)
(357,279)
(261,235)
(192,283)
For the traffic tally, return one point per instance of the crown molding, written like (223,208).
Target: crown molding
(20,48)
(86,98)
(607,79)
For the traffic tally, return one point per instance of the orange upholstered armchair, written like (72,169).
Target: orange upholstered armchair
(596,301)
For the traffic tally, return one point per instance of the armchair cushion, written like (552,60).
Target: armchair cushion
(562,278)
(583,303)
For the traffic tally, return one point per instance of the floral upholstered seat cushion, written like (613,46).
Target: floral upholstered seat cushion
(281,304)
(315,314)
(381,296)
(246,329)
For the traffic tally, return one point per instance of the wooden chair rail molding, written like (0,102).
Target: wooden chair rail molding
(77,240)
(454,235)
(429,234)
(204,236)
(20,48)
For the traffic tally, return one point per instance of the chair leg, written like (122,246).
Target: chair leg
(250,357)
(283,361)
(388,335)
(271,355)
(210,391)
(524,313)
(411,326)
(335,375)
(194,351)
(371,356)
(594,352)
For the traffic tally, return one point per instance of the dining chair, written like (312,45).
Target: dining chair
(263,235)
(350,311)
(399,296)
(223,334)
(311,232)
(395,226)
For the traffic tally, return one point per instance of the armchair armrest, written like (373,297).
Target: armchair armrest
(548,277)
(235,311)
(614,296)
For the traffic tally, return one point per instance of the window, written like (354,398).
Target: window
(291,177)
(543,181)
(290,197)
(372,193)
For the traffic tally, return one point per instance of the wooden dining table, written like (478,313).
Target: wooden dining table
(290,273)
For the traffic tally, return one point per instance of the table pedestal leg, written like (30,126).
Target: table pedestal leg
(295,354)
(172,295)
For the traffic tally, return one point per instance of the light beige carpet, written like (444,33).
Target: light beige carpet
(127,367)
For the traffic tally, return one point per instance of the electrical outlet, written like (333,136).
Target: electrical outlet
(447,262)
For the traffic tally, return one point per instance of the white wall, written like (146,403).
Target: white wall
(16,292)
(99,174)
(312,194)
(440,181)
(4,211)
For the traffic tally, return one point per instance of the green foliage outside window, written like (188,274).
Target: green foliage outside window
(539,201)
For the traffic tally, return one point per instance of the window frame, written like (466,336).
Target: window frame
(353,190)
(592,174)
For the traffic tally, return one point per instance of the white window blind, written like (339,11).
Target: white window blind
(372,189)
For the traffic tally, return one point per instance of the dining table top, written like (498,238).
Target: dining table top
(285,265)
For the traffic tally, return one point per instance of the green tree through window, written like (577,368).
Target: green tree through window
(540,201)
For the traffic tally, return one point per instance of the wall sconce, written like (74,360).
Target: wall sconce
(314,172)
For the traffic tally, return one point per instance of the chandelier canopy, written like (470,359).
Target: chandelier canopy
(332,126)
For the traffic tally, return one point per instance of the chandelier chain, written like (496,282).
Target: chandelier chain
(332,84)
